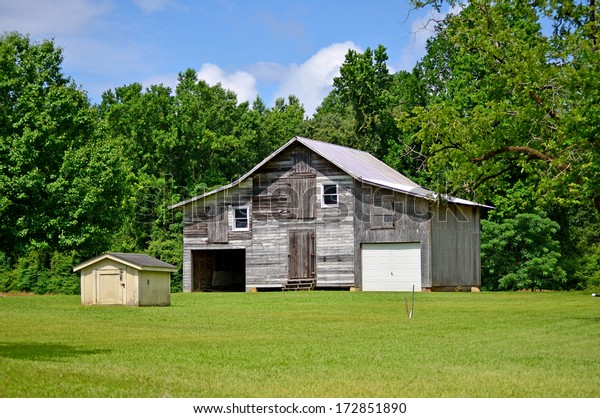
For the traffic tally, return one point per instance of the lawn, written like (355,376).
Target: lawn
(304,344)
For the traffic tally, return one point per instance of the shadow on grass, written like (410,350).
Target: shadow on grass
(588,318)
(43,352)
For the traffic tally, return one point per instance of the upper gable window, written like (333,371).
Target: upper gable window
(330,195)
(241,218)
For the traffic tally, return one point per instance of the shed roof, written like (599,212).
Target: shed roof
(359,164)
(137,261)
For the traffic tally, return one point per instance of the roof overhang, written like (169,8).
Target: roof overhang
(137,266)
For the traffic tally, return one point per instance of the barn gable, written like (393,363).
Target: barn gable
(309,215)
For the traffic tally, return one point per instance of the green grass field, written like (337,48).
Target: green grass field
(304,344)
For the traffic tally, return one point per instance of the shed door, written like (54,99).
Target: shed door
(110,287)
(391,267)
(302,254)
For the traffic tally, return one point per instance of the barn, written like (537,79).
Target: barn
(125,279)
(319,215)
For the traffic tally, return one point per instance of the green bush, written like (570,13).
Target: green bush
(5,272)
(40,272)
(167,245)
(29,272)
(587,272)
(61,278)
(521,253)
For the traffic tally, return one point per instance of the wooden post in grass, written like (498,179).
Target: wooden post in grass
(412,306)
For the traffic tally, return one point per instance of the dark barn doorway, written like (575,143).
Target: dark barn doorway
(219,270)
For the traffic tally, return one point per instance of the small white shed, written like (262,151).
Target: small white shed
(125,279)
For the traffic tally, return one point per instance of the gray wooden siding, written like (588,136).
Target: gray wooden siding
(197,215)
(284,195)
(410,222)
(218,227)
(456,247)
(208,224)
(187,267)
(287,196)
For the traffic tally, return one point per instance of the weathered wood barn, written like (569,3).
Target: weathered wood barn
(319,215)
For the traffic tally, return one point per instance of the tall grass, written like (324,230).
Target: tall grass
(305,344)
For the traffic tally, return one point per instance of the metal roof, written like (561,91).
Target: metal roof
(359,164)
(137,261)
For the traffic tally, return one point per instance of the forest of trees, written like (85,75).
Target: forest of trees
(503,109)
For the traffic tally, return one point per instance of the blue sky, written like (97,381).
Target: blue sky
(265,47)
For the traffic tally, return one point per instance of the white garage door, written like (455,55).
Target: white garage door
(395,267)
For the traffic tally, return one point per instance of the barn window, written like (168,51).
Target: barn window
(241,220)
(330,195)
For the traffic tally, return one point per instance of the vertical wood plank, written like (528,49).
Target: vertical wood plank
(303,196)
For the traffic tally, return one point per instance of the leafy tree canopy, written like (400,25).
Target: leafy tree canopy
(504,108)
(60,183)
(509,99)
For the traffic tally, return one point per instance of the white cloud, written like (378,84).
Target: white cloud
(57,17)
(312,80)
(241,82)
(422,28)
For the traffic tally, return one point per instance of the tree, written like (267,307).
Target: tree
(332,122)
(280,124)
(364,108)
(580,244)
(509,101)
(184,144)
(511,111)
(142,123)
(364,84)
(521,253)
(58,183)
(519,245)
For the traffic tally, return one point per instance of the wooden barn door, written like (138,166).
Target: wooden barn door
(301,254)
(303,197)
(217,226)
(203,264)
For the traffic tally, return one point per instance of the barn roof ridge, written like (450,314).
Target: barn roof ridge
(361,165)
